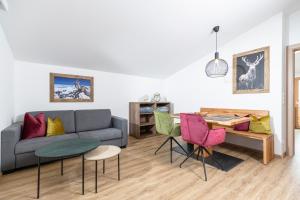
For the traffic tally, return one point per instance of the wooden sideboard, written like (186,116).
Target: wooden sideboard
(142,125)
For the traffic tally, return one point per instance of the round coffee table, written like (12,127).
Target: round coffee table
(101,153)
(64,149)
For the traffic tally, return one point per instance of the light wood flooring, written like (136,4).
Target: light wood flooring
(145,176)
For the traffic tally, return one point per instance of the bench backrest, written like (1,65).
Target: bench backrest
(230,111)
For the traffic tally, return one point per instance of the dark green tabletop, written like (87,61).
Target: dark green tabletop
(67,148)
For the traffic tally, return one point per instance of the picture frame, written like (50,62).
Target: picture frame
(71,88)
(251,71)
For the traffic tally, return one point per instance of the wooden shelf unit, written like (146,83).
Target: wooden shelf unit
(142,125)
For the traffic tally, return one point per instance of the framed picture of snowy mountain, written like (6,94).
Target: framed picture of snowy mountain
(251,71)
(71,88)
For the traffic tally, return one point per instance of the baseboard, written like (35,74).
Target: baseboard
(7,172)
(280,156)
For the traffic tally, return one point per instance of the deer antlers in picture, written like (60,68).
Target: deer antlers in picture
(249,77)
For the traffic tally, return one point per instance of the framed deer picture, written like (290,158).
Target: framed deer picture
(71,88)
(251,71)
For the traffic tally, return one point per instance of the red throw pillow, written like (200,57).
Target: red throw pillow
(242,127)
(34,126)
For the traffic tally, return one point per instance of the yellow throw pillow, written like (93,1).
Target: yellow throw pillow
(55,127)
(260,125)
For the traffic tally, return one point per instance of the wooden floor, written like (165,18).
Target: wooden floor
(145,176)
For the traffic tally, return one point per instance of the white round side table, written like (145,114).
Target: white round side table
(101,153)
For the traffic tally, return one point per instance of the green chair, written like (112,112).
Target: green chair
(164,125)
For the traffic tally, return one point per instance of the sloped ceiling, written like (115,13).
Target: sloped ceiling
(153,38)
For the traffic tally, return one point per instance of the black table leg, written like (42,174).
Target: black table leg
(96,176)
(38,181)
(82,174)
(103,166)
(118,166)
(62,167)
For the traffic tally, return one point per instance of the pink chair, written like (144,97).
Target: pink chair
(194,130)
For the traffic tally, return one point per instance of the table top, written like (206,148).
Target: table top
(103,152)
(67,148)
(223,120)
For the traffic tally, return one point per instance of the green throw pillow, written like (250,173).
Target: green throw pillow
(55,127)
(260,125)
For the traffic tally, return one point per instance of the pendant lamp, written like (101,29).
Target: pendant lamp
(216,67)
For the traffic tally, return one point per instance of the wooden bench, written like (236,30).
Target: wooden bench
(267,140)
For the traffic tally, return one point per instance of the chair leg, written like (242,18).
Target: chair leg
(214,159)
(171,150)
(203,162)
(191,154)
(180,146)
(162,145)
(198,154)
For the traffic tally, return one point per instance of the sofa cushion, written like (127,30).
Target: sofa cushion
(29,159)
(55,127)
(34,126)
(103,134)
(30,145)
(90,120)
(66,116)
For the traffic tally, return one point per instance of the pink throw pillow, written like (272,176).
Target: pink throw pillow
(34,126)
(242,127)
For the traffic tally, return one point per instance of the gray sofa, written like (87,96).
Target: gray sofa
(97,124)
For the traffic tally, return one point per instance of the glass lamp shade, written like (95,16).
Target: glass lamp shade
(216,67)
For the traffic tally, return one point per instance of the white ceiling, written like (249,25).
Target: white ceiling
(153,38)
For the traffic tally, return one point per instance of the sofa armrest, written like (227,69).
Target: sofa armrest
(122,124)
(9,138)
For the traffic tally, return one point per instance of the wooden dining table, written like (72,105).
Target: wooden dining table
(213,120)
(219,119)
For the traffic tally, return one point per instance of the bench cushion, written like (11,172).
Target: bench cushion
(103,134)
(30,145)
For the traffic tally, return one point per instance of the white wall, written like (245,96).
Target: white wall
(6,83)
(297,64)
(294,28)
(111,90)
(190,89)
